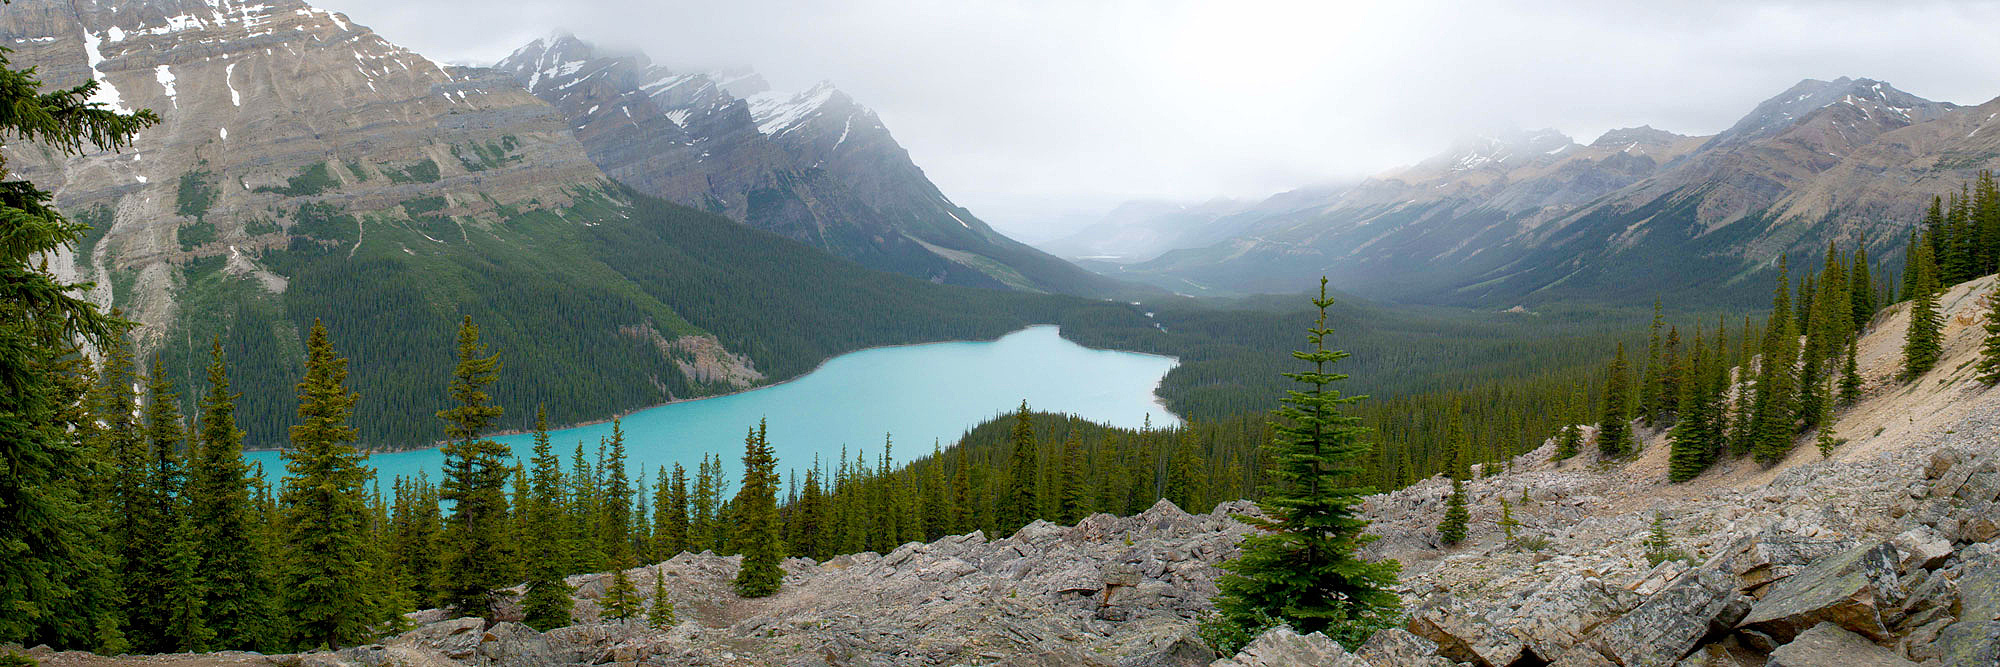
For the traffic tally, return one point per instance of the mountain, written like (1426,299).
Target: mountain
(1534,216)
(816,166)
(309,170)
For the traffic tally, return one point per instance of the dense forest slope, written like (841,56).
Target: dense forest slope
(1535,217)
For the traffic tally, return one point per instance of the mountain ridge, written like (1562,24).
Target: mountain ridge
(814,166)
(1512,225)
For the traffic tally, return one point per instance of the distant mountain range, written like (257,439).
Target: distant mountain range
(309,169)
(816,166)
(1536,216)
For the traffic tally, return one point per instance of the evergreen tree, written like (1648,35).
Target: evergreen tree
(417,526)
(1850,375)
(810,514)
(1659,543)
(1075,488)
(1696,438)
(1923,341)
(475,479)
(671,519)
(186,600)
(661,616)
(224,524)
(1989,349)
(757,519)
(1774,415)
(546,604)
(55,584)
(1301,567)
(1614,428)
(1861,287)
(1652,377)
(149,487)
(621,599)
(1507,522)
(325,510)
(1020,501)
(581,511)
(614,523)
(1451,530)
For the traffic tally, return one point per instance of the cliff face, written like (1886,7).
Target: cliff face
(270,107)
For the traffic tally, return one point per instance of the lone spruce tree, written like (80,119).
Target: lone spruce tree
(1451,530)
(660,616)
(325,510)
(757,519)
(1301,567)
(475,482)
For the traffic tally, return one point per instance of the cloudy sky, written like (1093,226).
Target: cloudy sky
(1033,111)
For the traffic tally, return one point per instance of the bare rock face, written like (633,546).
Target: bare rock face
(1670,624)
(1280,647)
(1828,644)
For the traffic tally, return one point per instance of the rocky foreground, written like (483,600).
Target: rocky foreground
(1890,561)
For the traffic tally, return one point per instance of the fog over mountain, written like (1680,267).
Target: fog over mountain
(1028,112)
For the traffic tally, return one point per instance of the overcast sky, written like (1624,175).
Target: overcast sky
(1029,111)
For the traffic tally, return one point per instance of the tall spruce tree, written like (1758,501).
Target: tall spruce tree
(757,519)
(475,483)
(1020,501)
(1614,425)
(1075,488)
(1774,416)
(325,510)
(1923,340)
(1860,287)
(1989,349)
(1451,529)
(1301,567)
(614,522)
(224,524)
(546,604)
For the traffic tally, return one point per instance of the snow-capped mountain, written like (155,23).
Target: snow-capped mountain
(1536,216)
(814,165)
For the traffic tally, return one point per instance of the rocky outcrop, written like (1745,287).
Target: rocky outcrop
(1281,646)
(1828,644)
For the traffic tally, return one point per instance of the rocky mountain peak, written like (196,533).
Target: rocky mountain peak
(1786,110)
(1508,150)
(1643,135)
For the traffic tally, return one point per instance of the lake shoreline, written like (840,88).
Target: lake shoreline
(816,368)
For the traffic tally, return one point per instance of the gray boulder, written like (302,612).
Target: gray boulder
(1466,635)
(1827,645)
(1281,647)
(1851,590)
(1397,647)
(1974,638)
(1668,625)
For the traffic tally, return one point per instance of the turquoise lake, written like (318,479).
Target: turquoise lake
(917,394)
